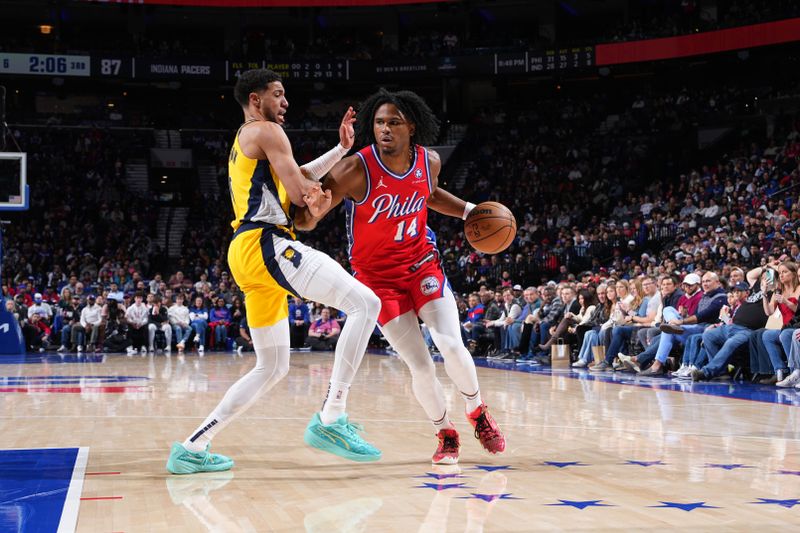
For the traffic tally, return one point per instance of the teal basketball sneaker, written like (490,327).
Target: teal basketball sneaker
(340,438)
(182,461)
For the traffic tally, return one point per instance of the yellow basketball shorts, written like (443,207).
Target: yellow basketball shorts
(268,267)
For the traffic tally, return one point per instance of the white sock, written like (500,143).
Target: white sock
(198,445)
(335,402)
(443,423)
(473,400)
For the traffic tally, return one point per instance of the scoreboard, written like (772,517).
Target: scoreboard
(299,69)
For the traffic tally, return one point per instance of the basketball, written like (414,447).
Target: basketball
(490,227)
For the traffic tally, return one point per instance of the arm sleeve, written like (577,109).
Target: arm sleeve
(317,168)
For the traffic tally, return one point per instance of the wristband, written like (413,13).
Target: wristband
(467,208)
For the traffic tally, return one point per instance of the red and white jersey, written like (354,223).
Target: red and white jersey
(387,230)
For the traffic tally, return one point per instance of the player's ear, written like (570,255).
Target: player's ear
(255,99)
(412,128)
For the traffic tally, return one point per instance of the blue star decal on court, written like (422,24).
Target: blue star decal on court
(564,464)
(688,507)
(440,476)
(789,472)
(733,466)
(489,497)
(580,504)
(645,463)
(783,503)
(489,468)
(440,487)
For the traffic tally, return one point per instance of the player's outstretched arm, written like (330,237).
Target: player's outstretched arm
(440,200)
(345,180)
(275,144)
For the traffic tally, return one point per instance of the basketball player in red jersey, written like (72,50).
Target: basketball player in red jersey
(387,188)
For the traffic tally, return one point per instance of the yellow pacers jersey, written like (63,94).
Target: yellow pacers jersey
(259,198)
(263,230)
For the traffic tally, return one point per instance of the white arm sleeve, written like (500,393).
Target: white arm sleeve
(317,168)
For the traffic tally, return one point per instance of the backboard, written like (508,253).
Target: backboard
(14,192)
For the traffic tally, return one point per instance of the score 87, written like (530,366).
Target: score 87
(110,67)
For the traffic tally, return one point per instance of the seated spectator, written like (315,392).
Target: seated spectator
(137,318)
(588,332)
(158,319)
(36,333)
(721,341)
(69,318)
(575,311)
(678,327)
(473,325)
(785,299)
(509,311)
(324,332)
(572,319)
(244,342)
(179,320)
(640,315)
(91,322)
(198,319)
(299,321)
(41,308)
(219,319)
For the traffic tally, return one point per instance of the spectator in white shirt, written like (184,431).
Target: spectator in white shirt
(41,308)
(91,321)
(136,316)
(509,311)
(179,320)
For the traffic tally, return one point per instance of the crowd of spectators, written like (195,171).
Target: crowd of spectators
(583,158)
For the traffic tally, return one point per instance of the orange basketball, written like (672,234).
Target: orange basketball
(490,227)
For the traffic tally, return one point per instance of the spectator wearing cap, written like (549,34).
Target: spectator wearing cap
(721,342)
(42,308)
(678,327)
(90,322)
(518,295)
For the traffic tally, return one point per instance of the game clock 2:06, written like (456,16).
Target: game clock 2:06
(53,65)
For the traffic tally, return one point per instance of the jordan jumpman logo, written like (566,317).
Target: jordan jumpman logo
(381,183)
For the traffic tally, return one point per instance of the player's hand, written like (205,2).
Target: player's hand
(346,131)
(317,201)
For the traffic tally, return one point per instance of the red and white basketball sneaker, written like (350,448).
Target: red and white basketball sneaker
(449,444)
(486,429)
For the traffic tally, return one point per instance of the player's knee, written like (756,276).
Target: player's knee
(373,304)
(368,302)
(422,369)
(450,347)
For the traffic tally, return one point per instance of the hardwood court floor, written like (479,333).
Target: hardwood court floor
(582,453)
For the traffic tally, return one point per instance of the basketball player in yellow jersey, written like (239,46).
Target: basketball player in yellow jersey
(269,264)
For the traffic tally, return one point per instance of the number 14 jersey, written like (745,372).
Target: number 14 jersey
(386,230)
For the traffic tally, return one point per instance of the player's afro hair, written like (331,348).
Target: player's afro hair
(410,104)
(253,81)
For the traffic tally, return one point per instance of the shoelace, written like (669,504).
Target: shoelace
(449,444)
(483,427)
